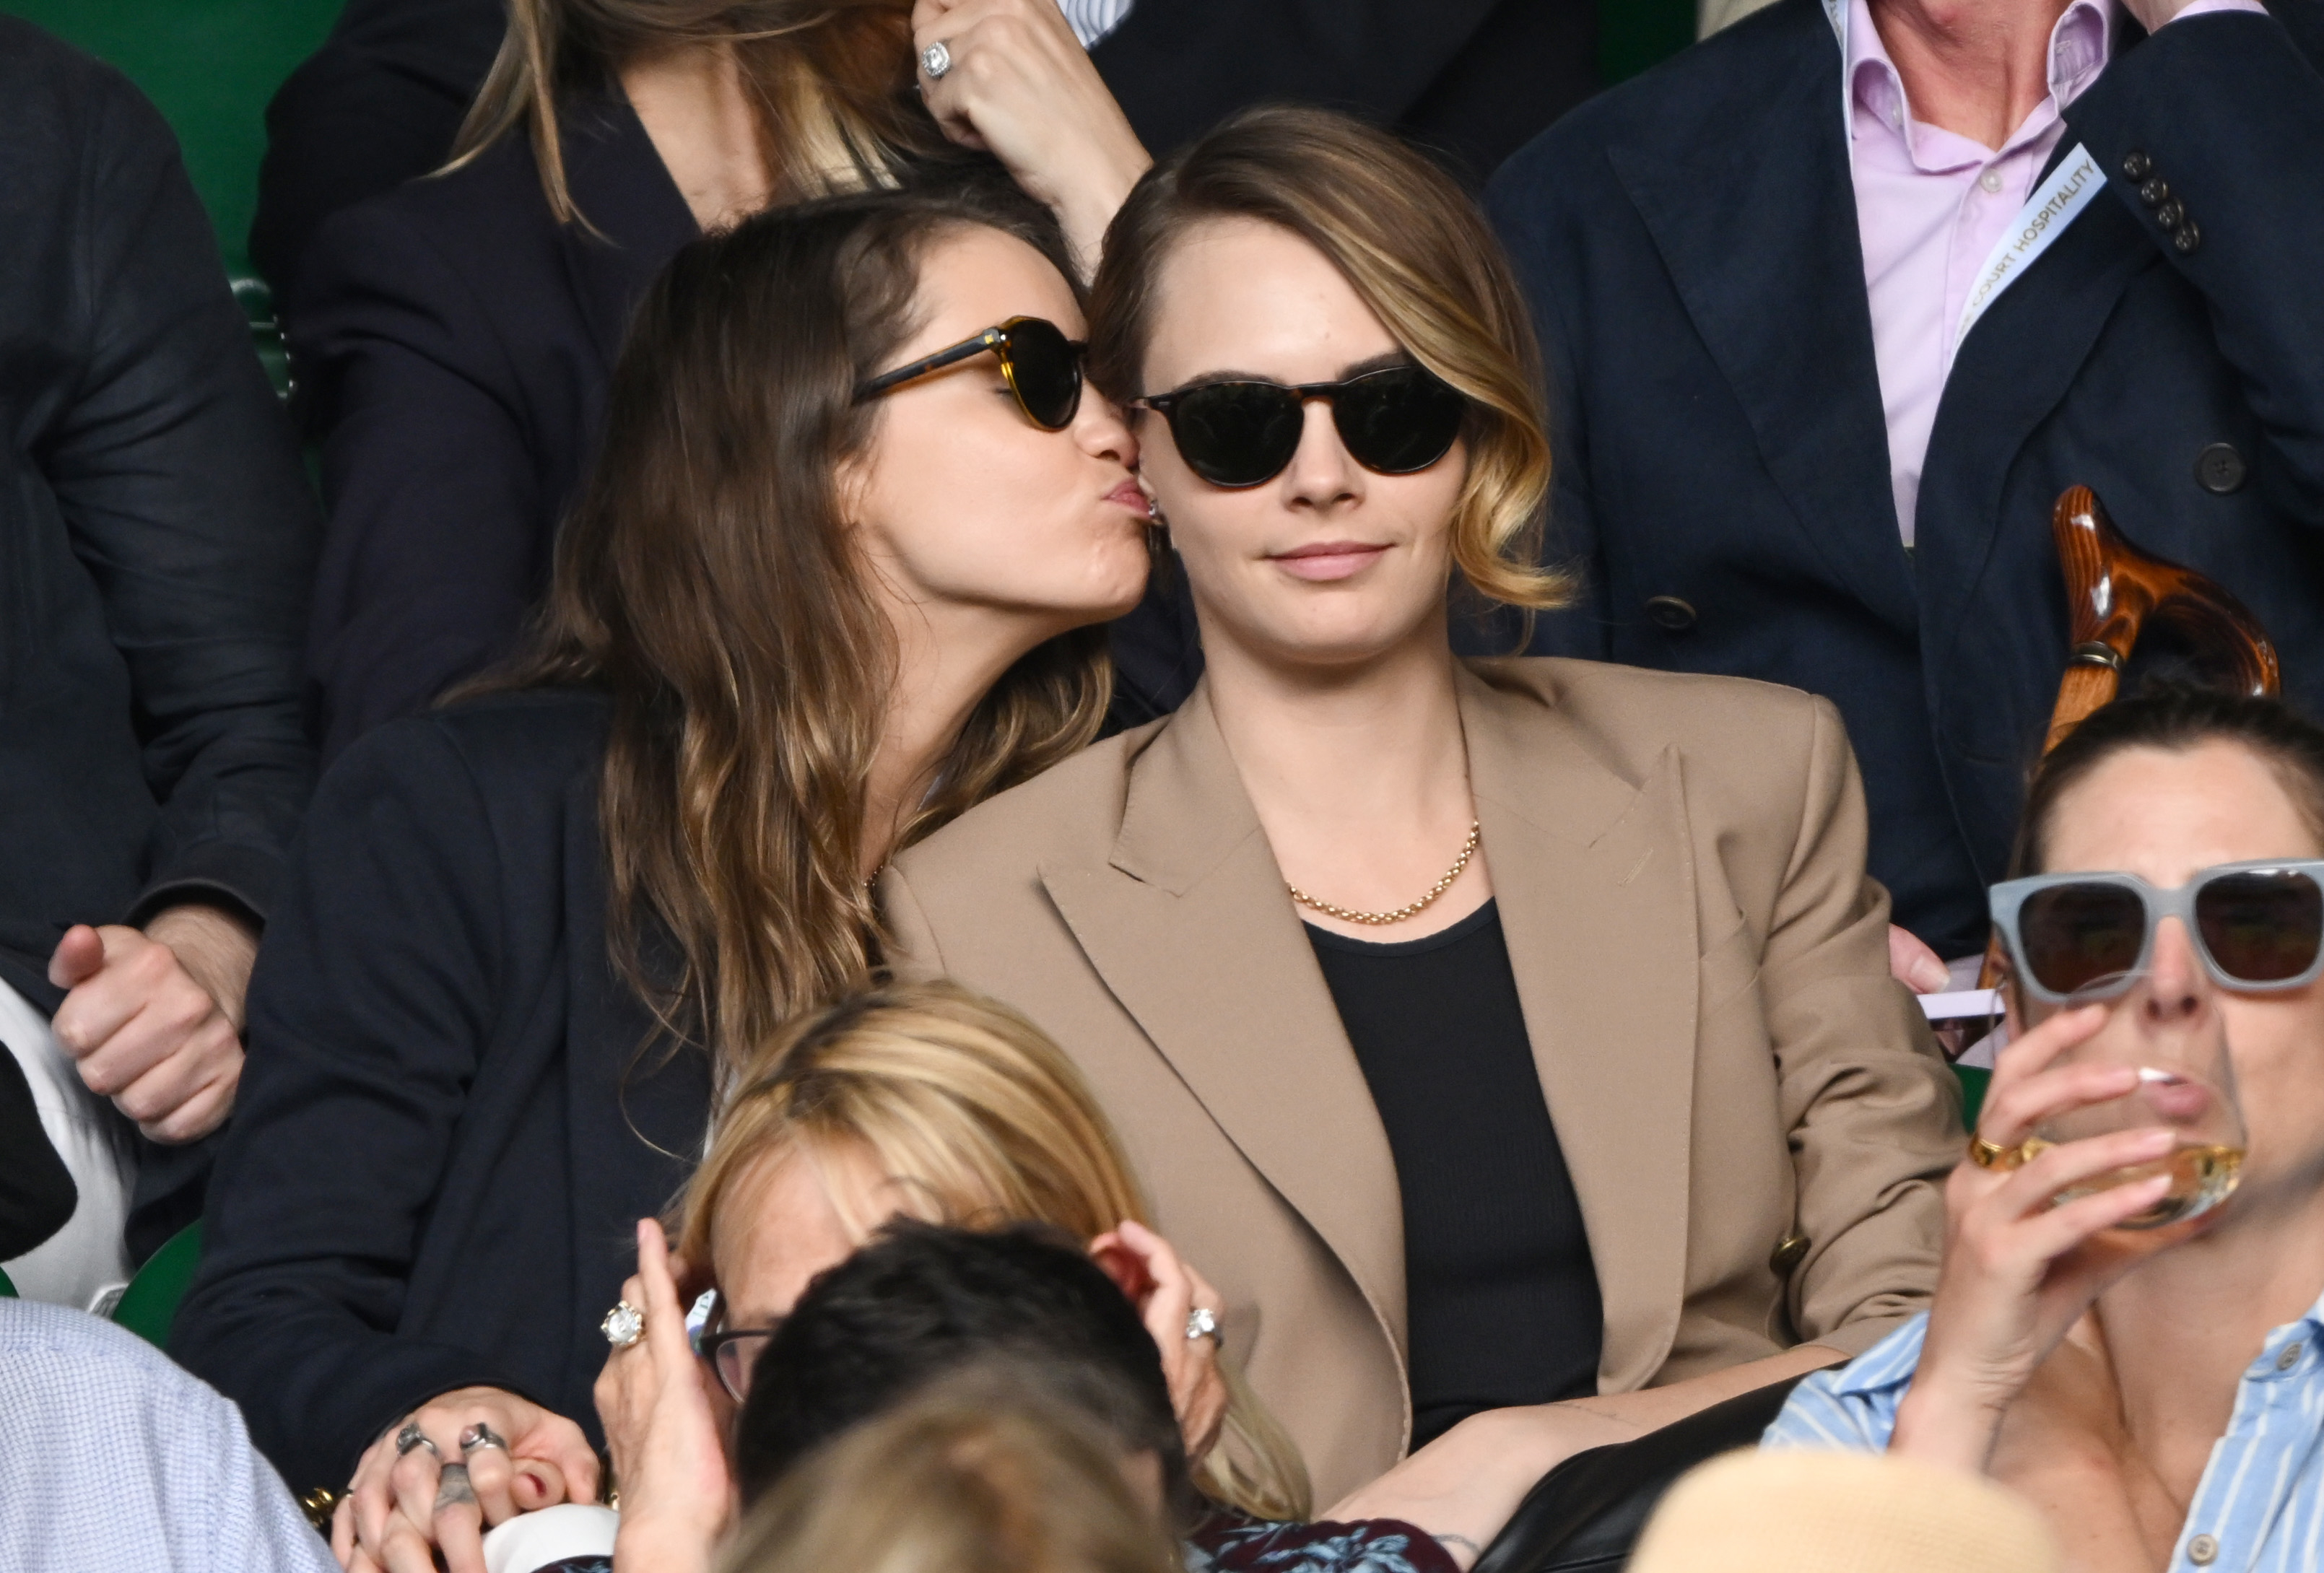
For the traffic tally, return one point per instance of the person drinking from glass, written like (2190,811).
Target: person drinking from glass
(2127,1329)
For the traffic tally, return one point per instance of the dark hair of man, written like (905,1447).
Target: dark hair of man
(2174,717)
(920,1302)
(708,581)
(1415,249)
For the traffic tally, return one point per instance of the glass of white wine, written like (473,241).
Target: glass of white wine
(2186,1083)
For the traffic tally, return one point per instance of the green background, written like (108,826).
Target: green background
(211,65)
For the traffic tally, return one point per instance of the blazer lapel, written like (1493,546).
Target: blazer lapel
(640,218)
(1595,878)
(2013,370)
(1188,925)
(1763,251)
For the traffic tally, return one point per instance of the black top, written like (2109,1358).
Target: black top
(1689,241)
(1501,1294)
(157,537)
(451,1118)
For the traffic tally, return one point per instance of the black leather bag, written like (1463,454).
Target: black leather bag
(1585,1516)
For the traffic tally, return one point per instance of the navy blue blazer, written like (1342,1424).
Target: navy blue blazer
(452,344)
(452,1116)
(1689,242)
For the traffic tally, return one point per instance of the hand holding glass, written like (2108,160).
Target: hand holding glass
(2186,1084)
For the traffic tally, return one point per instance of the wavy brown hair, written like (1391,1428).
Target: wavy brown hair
(831,81)
(707,582)
(1416,249)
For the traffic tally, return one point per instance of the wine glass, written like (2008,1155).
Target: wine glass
(2186,1083)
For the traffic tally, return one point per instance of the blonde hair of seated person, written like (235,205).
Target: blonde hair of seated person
(972,1477)
(987,1122)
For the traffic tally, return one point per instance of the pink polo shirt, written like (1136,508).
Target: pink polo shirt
(1931,203)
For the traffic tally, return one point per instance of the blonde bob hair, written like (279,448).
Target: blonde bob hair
(1416,252)
(977,1120)
(977,1474)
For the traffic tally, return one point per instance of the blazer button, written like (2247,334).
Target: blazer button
(2219,469)
(2186,237)
(2172,213)
(2137,164)
(1789,1253)
(2154,191)
(1670,613)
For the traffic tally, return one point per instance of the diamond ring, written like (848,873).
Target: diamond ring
(623,1325)
(936,60)
(1203,1323)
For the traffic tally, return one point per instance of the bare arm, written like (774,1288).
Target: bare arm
(1464,1486)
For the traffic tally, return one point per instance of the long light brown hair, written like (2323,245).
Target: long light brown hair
(830,80)
(708,582)
(977,1120)
(1415,248)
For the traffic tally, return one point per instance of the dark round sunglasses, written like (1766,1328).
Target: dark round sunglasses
(1234,434)
(1043,366)
(2255,926)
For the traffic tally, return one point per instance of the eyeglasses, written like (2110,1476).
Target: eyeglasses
(1243,433)
(734,1355)
(1043,368)
(2255,925)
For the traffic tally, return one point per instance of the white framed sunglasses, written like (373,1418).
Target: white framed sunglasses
(2257,927)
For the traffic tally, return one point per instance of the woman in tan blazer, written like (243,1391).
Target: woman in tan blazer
(1716,1163)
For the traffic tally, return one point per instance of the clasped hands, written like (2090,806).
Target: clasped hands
(665,1417)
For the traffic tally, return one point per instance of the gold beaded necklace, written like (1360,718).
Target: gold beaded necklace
(1468,851)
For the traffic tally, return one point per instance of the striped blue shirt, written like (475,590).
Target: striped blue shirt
(2260,1506)
(1092,20)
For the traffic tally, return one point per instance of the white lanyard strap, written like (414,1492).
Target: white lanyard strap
(2056,203)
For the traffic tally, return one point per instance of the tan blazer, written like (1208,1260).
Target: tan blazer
(1703,969)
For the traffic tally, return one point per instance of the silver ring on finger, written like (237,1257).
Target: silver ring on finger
(479,1437)
(412,1439)
(936,60)
(453,1488)
(1203,1323)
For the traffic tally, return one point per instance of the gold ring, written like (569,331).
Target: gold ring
(1987,1155)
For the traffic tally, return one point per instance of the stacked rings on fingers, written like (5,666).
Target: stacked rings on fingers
(411,1438)
(1203,1323)
(936,60)
(623,1325)
(1987,1155)
(479,1437)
